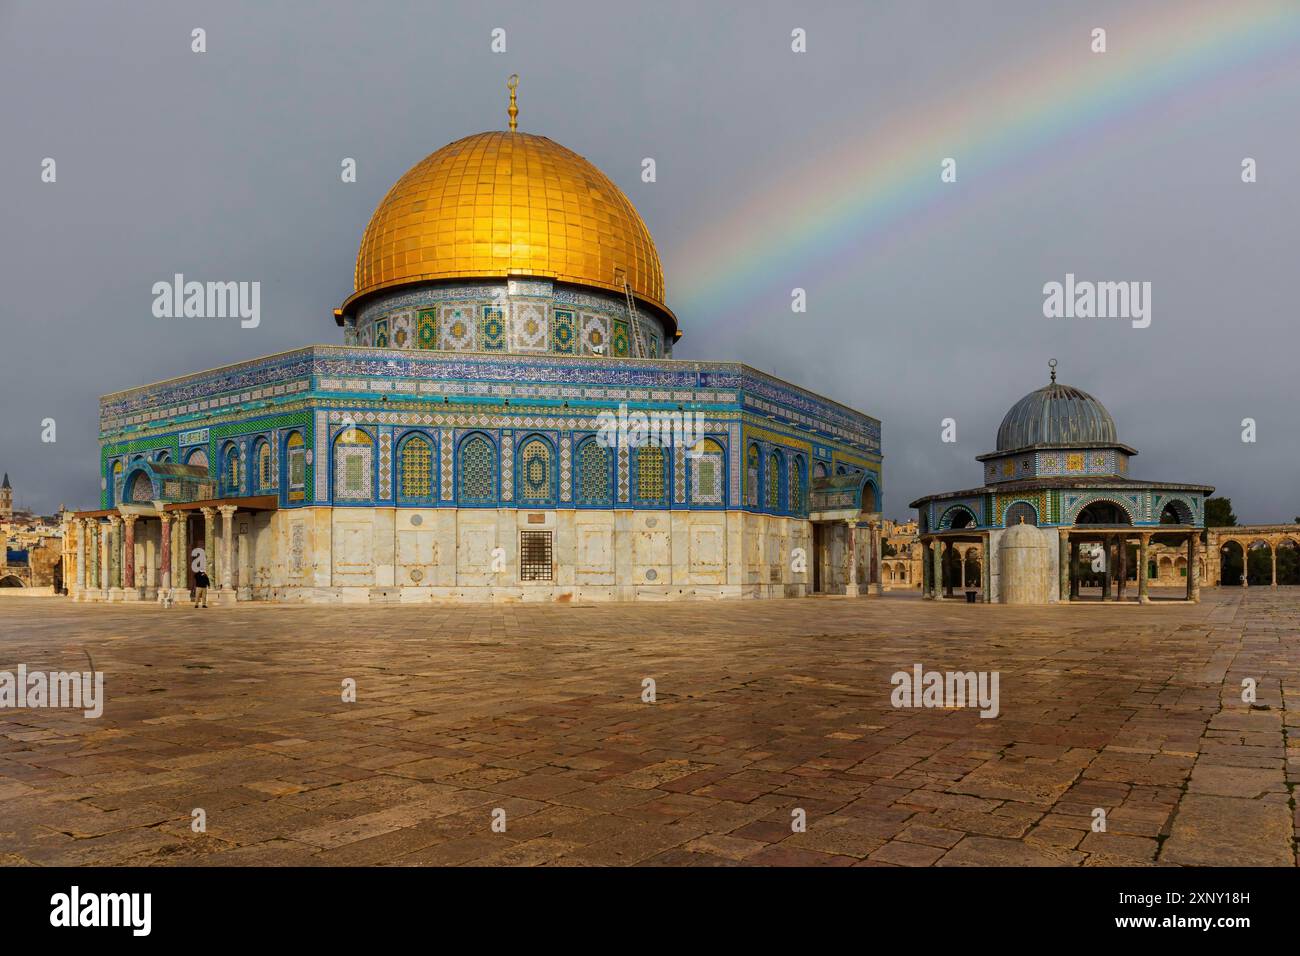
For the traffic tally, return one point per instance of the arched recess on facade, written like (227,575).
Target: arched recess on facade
(957,516)
(753,470)
(1103,511)
(1020,512)
(707,478)
(263,467)
(871,497)
(477,475)
(415,467)
(593,484)
(12,581)
(798,485)
(138,487)
(821,470)
(230,471)
(295,465)
(1176,511)
(198,457)
(774,481)
(536,470)
(354,465)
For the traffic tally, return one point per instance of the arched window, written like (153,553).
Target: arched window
(774,476)
(354,465)
(296,454)
(798,486)
(198,458)
(593,482)
(416,462)
(708,468)
(114,478)
(751,476)
(820,470)
(230,472)
(477,483)
(534,471)
(163,457)
(651,486)
(265,472)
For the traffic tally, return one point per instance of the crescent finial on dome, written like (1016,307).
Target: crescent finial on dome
(512,84)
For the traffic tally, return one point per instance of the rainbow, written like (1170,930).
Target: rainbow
(823,217)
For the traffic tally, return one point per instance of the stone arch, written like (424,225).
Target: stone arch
(871,497)
(1288,560)
(958,516)
(138,487)
(1176,511)
(12,581)
(1096,510)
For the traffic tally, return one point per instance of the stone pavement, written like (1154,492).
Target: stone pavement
(762,708)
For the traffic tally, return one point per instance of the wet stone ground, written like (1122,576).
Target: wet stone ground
(762,708)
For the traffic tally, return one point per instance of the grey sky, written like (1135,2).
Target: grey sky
(225,165)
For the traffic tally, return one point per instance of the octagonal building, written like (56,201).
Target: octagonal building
(503,421)
(1057,507)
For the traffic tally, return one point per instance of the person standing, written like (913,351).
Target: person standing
(200,589)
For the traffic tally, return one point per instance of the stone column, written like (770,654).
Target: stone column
(936,573)
(209,533)
(850,550)
(961,558)
(950,549)
(1245,564)
(1144,541)
(244,568)
(1106,572)
(1193,572)
(105,551)
(1272,548)
(128,558)
(81,558)
(1074,569)
(878,556)
(181,581)
(92,553)
(227,553)
(165,562)
(925,570)
(1063,569)
(1123,568)
(986,575)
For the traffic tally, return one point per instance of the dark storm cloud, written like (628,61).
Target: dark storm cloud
(225,166)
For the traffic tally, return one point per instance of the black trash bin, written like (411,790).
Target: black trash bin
(970,597)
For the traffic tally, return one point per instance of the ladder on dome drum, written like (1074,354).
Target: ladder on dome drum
(639,348)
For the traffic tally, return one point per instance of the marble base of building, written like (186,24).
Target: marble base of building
(387,555)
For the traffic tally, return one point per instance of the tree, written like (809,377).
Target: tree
(1218,513)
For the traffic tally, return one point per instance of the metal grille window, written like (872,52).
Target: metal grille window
(535,555)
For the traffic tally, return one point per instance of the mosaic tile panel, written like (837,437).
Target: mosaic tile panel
(457,329)
(566,468)
(493,329)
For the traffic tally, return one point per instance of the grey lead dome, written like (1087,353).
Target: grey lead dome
(1056,415)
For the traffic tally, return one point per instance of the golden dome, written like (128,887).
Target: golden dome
(506,204)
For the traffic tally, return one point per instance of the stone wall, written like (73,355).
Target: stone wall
(408,554)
